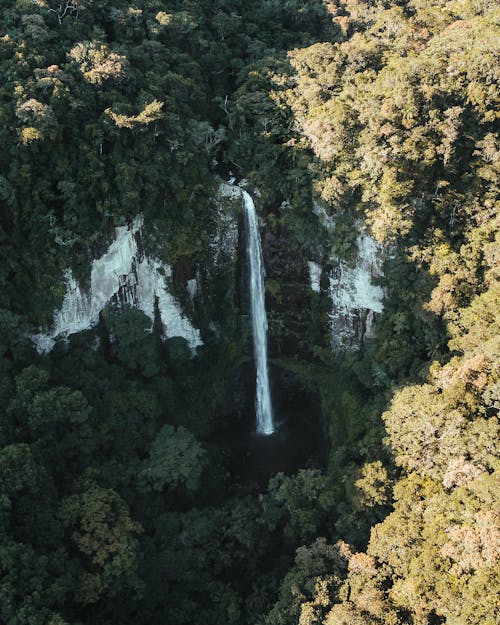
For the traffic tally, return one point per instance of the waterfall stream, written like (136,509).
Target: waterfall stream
(263,406)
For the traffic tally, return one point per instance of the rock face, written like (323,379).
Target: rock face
(356,300)
(224,243)
(320,302)
(317,302)
(217,300)
(205,288)
(122,275)
(314,276)
(288,302)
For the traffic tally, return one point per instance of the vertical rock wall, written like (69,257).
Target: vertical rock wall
(122,275)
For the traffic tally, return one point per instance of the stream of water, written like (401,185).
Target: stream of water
(263,405)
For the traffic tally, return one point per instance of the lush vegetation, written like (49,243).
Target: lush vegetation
(116,505)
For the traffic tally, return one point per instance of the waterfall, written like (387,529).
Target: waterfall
(263,407)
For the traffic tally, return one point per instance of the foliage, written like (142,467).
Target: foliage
(116,504)
(175,458)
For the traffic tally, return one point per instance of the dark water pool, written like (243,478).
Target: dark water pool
(251,459)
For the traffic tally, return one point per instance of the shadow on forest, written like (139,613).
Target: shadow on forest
(298,441)
(262,144)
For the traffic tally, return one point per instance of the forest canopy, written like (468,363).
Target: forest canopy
(117,503)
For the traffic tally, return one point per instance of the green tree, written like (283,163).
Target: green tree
(175,459)
(99,525)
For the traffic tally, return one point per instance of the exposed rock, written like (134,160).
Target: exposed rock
(314,276)
(224,241)
(122,275)
(355,298)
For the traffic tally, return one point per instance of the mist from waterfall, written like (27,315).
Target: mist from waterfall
(263,405)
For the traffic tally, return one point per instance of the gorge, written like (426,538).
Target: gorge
(249,301)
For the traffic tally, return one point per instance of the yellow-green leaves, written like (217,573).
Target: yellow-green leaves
(38,121)
(98,63)
(151,112)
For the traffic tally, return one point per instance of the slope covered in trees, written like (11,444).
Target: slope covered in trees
(117,505)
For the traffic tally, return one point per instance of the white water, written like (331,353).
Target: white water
(120,274)
(263,406)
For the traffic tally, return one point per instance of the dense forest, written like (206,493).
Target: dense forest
(131,488)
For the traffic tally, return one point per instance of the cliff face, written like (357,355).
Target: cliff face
(192,296)
(356,299)
(326,302)
(321,300)
(122,276)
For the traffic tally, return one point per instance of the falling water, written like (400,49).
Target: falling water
(263,405)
